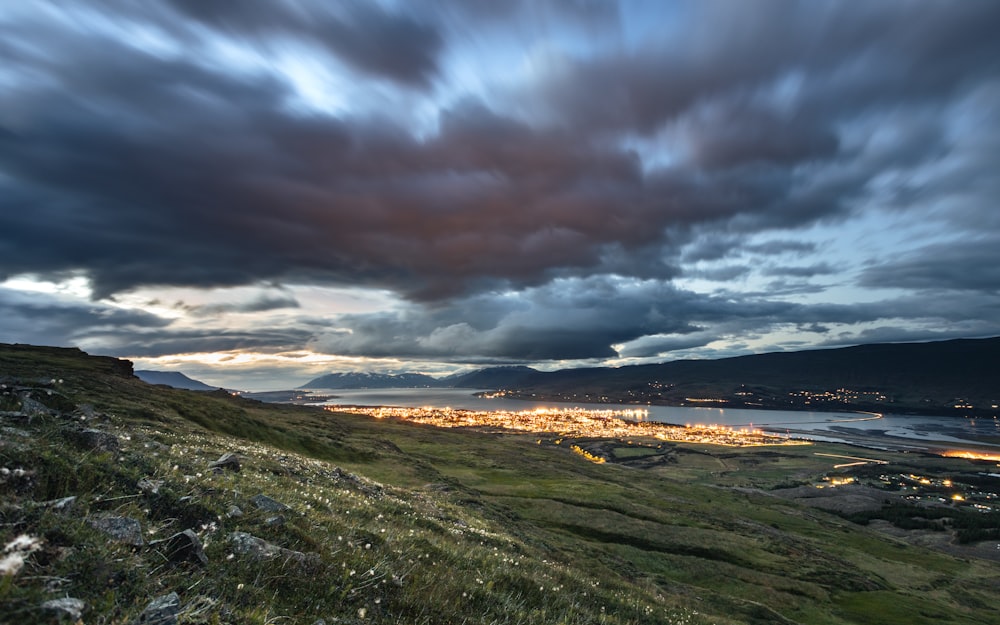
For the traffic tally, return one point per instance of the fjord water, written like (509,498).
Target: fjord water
(922,431)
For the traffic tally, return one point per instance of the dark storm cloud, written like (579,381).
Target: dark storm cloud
(42,319)
(142,166)
(713,246)
(960,266)
(655,346)
(583,319)
(829,59)
(742,133)
(819,269)
(144,344)
(262,303)
(574,319)
(365,36)
(771,248)
(143,169)
(727,273)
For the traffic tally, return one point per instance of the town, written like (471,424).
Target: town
(575,423)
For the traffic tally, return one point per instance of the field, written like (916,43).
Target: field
(392,522)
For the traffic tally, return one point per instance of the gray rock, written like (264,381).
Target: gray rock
(156,446)
(122,529)
(67,607)
(234,512)
(161,611)
(265,503)
(275,520)
(228,461)
(259,549)
(98,440)
(183,546)
(147,485)
(33,407)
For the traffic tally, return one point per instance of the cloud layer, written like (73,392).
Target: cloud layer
(562,181)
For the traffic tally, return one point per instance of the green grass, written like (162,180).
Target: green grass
(634,452)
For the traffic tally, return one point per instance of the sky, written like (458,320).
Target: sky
(256,193)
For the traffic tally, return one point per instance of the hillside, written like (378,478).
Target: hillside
(175,379)
(493,377)
(123,502)
(929,378)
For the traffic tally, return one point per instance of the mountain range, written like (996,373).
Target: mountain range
(945,377)
(492,377)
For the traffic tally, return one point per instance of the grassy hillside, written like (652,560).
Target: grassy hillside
(389,522)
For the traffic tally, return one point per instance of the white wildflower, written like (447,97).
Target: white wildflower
(16,551)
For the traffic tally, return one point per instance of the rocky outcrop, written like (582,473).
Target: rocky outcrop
(161,611)
(259,549)
(266,504)
(121,529)
(228,461)
(97,440)
(182,547)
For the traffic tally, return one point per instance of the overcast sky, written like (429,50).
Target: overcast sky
(255,193)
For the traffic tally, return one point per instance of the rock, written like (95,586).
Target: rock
(234,512)
(260,549)
(147,485)
(156,446)
(34,408)
(67,607)
(122,529)
(98,440)
(228,461)
(274,520)
(183,546)
(161,611)
(265,503)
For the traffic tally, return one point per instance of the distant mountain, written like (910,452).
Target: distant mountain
(372,380)
(494,378)
(944,377)
(175,379)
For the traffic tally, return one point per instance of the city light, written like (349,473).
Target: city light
(970,455)
(575,423)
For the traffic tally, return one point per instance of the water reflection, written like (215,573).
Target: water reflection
(830,426)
